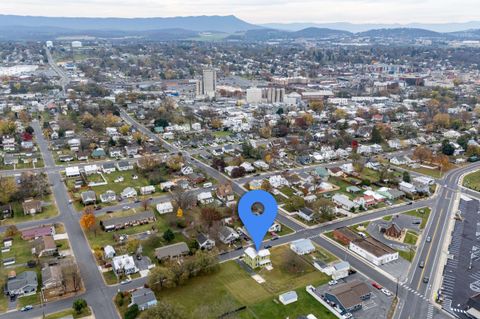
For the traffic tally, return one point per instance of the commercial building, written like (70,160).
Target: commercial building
(373,250)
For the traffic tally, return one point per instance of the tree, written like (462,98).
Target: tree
(168,235)
(124,129)
(9,188)
(324,207)
(294,203)
(422,154)
(238,172)
(159,278)
(71,274)
(376,136)
(339,114)
(406,177)
(132,245)
(87,221)
(175,162)
(441,120)
(79,305)
(132,312)
(316,105)
(11,231)
(182,198)
(164,310)
(219,164)
(280,111)
(447,148)
(216,123)
(210,215)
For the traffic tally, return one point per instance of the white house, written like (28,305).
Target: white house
(72,171)
(124,265)
(344,202)
(248,167)
(109,252)
(129,192)
(205,198)
(338,270)
(277,181)
(186,170)
(147,190)
(90,169)
(165,207)
(407,187)
(302,246)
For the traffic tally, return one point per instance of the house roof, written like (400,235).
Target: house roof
(349,293)
(374,246)
(52,273)
(37,231)
(143,296)
(303,244)
(26,278)
(170,251)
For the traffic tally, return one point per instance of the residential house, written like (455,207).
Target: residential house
(9,144)
(10,159)
(33,233)
(261,165)
(204,242)
(224,192)
(128,192)
(165,207)
(277,181)
(116,223)
(256,259)
(344,202)
(131,150)
(186,170)
(124,265)
(227,235)
(400,160)
(90,169)
(52,280)
(147,190)
(306,214)
(6,211)
(72,171)
(23,284)
(335,171)
(109,252)
(98,153)
(144,298)
(172,251)
(88,197)
(302,246)
(337,270)
(407,187)
(205,198)
(44,246)
(108,168)
(31,207)
(115,152)
(108,197)
(124,166)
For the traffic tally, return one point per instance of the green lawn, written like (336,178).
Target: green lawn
(19,217)
(69,312)
(472,181)
(29,300)
(110,277)
(221,133)
(387,218)
(435,173)
(423,213)
(410,238)
(287,191)
(232,286)
(324,255)
(407,255)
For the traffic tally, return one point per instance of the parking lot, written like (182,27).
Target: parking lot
(463,259)
(374,308)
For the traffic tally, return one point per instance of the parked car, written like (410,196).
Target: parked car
(332,282)
(376,285)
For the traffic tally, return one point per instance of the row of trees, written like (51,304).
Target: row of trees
(30,186)
(176,273)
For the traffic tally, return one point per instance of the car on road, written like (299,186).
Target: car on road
(274,238)
(409,203)
(426,279)
(332,282)
(126,281)
(429,239)
(386,292)
(376,285)
(267,247)
(421,264)
(27,308)
(126,207)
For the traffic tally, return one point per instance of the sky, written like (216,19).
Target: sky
(260,11)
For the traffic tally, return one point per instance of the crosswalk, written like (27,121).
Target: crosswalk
(430,311)
(414,292)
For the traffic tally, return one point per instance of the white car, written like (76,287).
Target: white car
(332,282)
(386,292)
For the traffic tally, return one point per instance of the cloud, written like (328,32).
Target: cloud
(258,11)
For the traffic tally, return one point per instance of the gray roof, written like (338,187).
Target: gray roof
(143,296)
(170,251)
(26,278)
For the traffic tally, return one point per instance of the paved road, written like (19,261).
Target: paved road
(99,296)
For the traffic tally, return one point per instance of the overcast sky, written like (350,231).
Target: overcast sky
(259,11)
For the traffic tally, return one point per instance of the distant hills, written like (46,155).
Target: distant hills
(352,27)
(227,27)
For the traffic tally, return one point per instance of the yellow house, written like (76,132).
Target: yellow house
(257,259)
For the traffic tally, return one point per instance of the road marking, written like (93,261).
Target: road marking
(430,247)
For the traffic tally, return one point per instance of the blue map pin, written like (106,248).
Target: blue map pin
(257,225)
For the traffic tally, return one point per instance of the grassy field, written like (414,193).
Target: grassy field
(410,238)
(233,287)
(19,217)
(418,213)
(69,312)
(407,255)
(472,181)
(387,218)
(221,133)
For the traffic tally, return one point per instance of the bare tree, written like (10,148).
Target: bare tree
(182,198)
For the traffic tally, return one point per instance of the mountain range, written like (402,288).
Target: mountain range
(230,27)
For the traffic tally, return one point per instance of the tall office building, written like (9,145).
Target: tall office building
(209,83)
